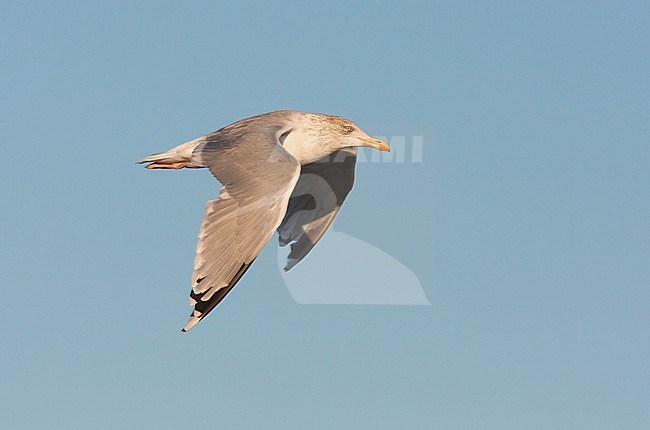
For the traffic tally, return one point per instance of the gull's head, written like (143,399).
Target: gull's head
(344,133)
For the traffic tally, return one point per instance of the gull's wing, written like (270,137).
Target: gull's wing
(321,189)
(258,176)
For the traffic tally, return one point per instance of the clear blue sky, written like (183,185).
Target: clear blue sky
(527,222)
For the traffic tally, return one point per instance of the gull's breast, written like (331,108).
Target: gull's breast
(304,145)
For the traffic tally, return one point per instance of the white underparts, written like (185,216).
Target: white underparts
(303,145)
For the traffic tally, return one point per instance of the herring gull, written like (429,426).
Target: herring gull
(286,170)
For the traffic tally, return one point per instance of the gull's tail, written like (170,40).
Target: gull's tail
(175,158)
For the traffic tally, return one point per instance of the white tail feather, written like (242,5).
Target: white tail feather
(181,153)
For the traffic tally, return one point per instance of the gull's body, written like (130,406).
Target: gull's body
(287,171)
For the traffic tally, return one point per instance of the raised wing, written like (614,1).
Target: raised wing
(258,176)
(321,189)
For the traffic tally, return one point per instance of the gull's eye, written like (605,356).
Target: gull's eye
(348,128)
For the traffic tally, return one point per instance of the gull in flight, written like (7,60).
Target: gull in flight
(286,170)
